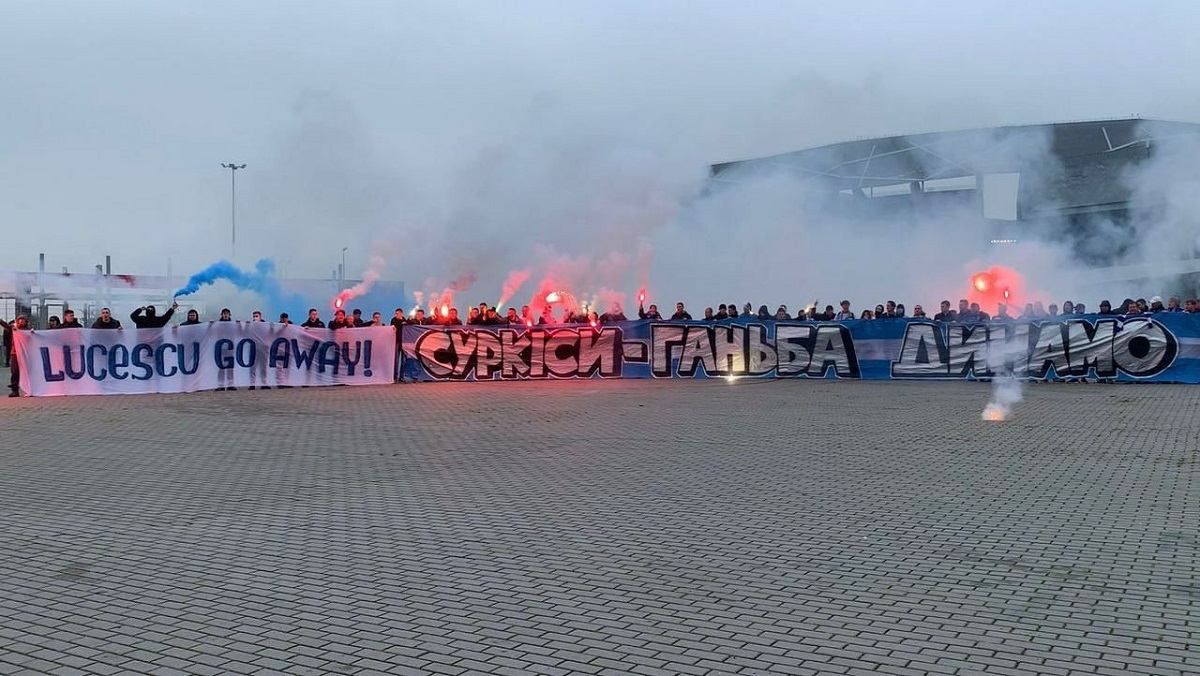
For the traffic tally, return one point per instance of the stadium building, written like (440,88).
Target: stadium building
(1064,182)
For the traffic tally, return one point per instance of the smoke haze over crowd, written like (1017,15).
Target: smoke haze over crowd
(571,140)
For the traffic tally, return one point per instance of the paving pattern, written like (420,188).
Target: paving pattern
(603,528)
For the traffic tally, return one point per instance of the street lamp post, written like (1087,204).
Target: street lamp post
(233,167)
(343,269)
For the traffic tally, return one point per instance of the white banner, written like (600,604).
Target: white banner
(201,357)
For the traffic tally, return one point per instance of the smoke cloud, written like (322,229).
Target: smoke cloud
(371,275)
(512,283)
(570,140)
(261,281)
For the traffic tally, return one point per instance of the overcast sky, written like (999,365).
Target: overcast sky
(474,129)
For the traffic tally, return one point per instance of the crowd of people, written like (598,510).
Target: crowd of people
(487,315)
(966,311)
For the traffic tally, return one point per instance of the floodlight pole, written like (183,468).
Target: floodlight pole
(232,167)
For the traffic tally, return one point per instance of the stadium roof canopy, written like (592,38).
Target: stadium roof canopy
(946,156)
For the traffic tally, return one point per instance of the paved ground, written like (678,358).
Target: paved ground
(615,527)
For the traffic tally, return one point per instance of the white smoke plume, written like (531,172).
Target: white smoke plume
(1007,391)
(512,284)
(1163,238)
(372,274)
(582,131)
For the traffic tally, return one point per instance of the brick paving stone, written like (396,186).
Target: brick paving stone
(585,527)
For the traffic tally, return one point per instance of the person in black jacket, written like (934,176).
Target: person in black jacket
(452,319)
(681,314)
(946,315)
(492,318)
(652,313)
(614,314)
(69,320)
(21,323)
(314,320)
(105,320)
(340,321)
(146,317)
(397,325)
(193,317)
(398,320)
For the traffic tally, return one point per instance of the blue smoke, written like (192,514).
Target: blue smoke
(261,281)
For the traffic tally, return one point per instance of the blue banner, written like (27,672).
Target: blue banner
(1160,347)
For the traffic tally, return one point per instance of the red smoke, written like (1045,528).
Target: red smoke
(511,284)
(588,279)
(445,298)
(370,276)
(995,286)
(551,292)
(645,257)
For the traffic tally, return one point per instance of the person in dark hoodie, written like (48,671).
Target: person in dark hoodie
(21,323)
(398,321)
(69,320)
(8,343)
(105,320)
(340,321)
(193,318)
(613,315)
(146,317)
(313,321)
(652,313)
(948,315)
(681,314)
(492,318)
